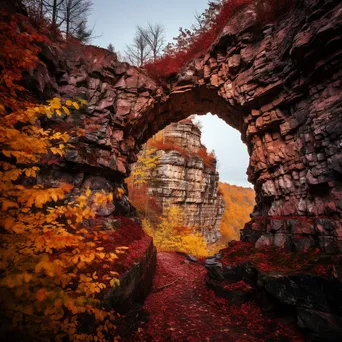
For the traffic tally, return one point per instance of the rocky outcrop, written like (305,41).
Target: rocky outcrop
(312,301)
(279,84)
(186,181)
(135,283)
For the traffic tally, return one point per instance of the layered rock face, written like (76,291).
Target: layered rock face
(186,181)
(279,84)
(312,301)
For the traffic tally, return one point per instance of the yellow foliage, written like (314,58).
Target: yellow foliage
(147,161)
(120,192)
(167,236)
(45,251)
(194,244)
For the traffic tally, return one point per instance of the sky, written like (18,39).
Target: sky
(231,152)
(115,21)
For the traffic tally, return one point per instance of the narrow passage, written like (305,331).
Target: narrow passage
(182,308)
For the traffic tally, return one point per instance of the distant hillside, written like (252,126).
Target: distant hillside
(240,202)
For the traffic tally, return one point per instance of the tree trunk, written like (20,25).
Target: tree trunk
(67,22)
(41,9)
(54,13)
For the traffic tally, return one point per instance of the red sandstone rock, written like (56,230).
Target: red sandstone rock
(279,85)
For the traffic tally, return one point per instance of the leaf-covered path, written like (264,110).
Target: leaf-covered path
(182,308)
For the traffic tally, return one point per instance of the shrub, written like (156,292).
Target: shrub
(167,146)
(209,159)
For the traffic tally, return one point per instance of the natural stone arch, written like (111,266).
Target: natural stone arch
(279,84)
(258,79)
(181,104)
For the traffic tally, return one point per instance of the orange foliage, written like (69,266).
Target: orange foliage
(239,204)
(168,65)
(147,206)
(46,288)
(167,146)
(43,243)
(209,159)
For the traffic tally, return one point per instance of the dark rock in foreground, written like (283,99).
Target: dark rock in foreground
(314,301)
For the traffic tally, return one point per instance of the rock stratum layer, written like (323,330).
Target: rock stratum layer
(279,84)
(186,181)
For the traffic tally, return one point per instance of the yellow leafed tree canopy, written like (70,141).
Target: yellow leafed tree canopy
(141,172)
(46,253)
(171,235)
(49,285)
(168,231)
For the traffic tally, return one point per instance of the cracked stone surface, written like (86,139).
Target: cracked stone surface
(279,84)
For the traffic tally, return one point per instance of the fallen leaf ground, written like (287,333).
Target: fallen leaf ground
(182,308)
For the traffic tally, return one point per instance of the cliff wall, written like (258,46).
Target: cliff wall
(279,84)
(186,181)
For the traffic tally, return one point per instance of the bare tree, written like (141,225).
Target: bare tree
(155,38)
(68,15)
(139,51)
(75,13)
(48,9)
(52,8)
(198,21)
(35,8)
(55,5)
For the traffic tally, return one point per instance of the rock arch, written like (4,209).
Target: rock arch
(279,84)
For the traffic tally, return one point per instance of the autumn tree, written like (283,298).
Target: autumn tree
(43,243)
(172,235)
(147,162)
(18,53)
(48,287)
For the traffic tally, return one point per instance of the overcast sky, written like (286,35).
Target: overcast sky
(114,22)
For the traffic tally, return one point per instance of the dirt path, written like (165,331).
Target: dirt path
(182,308)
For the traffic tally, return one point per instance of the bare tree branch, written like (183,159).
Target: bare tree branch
(154,36)
(139,51)
(75,13)
(165,286)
